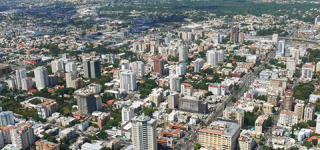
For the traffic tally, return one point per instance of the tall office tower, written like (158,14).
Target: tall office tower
(138,68)
(183,53)
(212,57)
(220,56)
(144,133)
(27,84)
(70,76)
(158,65)
(6,118)
(281,48)
(175,83)
(235,114)
(23,136)
(275,38)
(216,38)
(241,37)
(57,65)
(198,63)
(128,80)
(173,100)
(20,74)
(41,76)
(71,66)
(220,134)
(86,101)
(288,100)
(127,114)
(234,34)
(309,112)
(92,68)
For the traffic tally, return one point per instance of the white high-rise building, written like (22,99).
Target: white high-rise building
(127,114)
(281,48)
(23,136)
(198,63)
(316,20)
(70,76)
(275,38)
(56,65)
(138,68)
(128,80)
(11,83)
(175,82)
(27,84)
(20,74)
(144,133)
(183,54)
(291,64)
(41,76)
(216,38)
(212,58)
(71,66)
(307,72)
(318,124)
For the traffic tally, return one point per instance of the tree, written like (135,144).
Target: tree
(269,122)
(312,123)
(208,93)
(102,134)
(148,111)
(303,125)
(266,148)
(307,144)
(197,146)
(314,142)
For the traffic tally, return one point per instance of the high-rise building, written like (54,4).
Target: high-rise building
(156,96)
(183,53)
(234,34)
(186,89)
(53,80)
(71,66)
(234,113)
(127,114)
(241,37)
(220,56)
(198,64)
(216,38)
(2,139)
(173,100)
(307,72)
(57,65)
(6,118)
(144,133)
(23,136)
(291,64)
(70,76)
(27,83)
(316,20)
(47,108)
(212,57)
(11,83)
(281,48)
(159,65)
(86,101)
(299,108)
(288,100)
(259,124)
(318,124)
(41,76)
(128,80)
(275,38)
(309,112)
(175,82)
(138,68)
(20,74)
(92,68)
(221,135)
(95,88)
